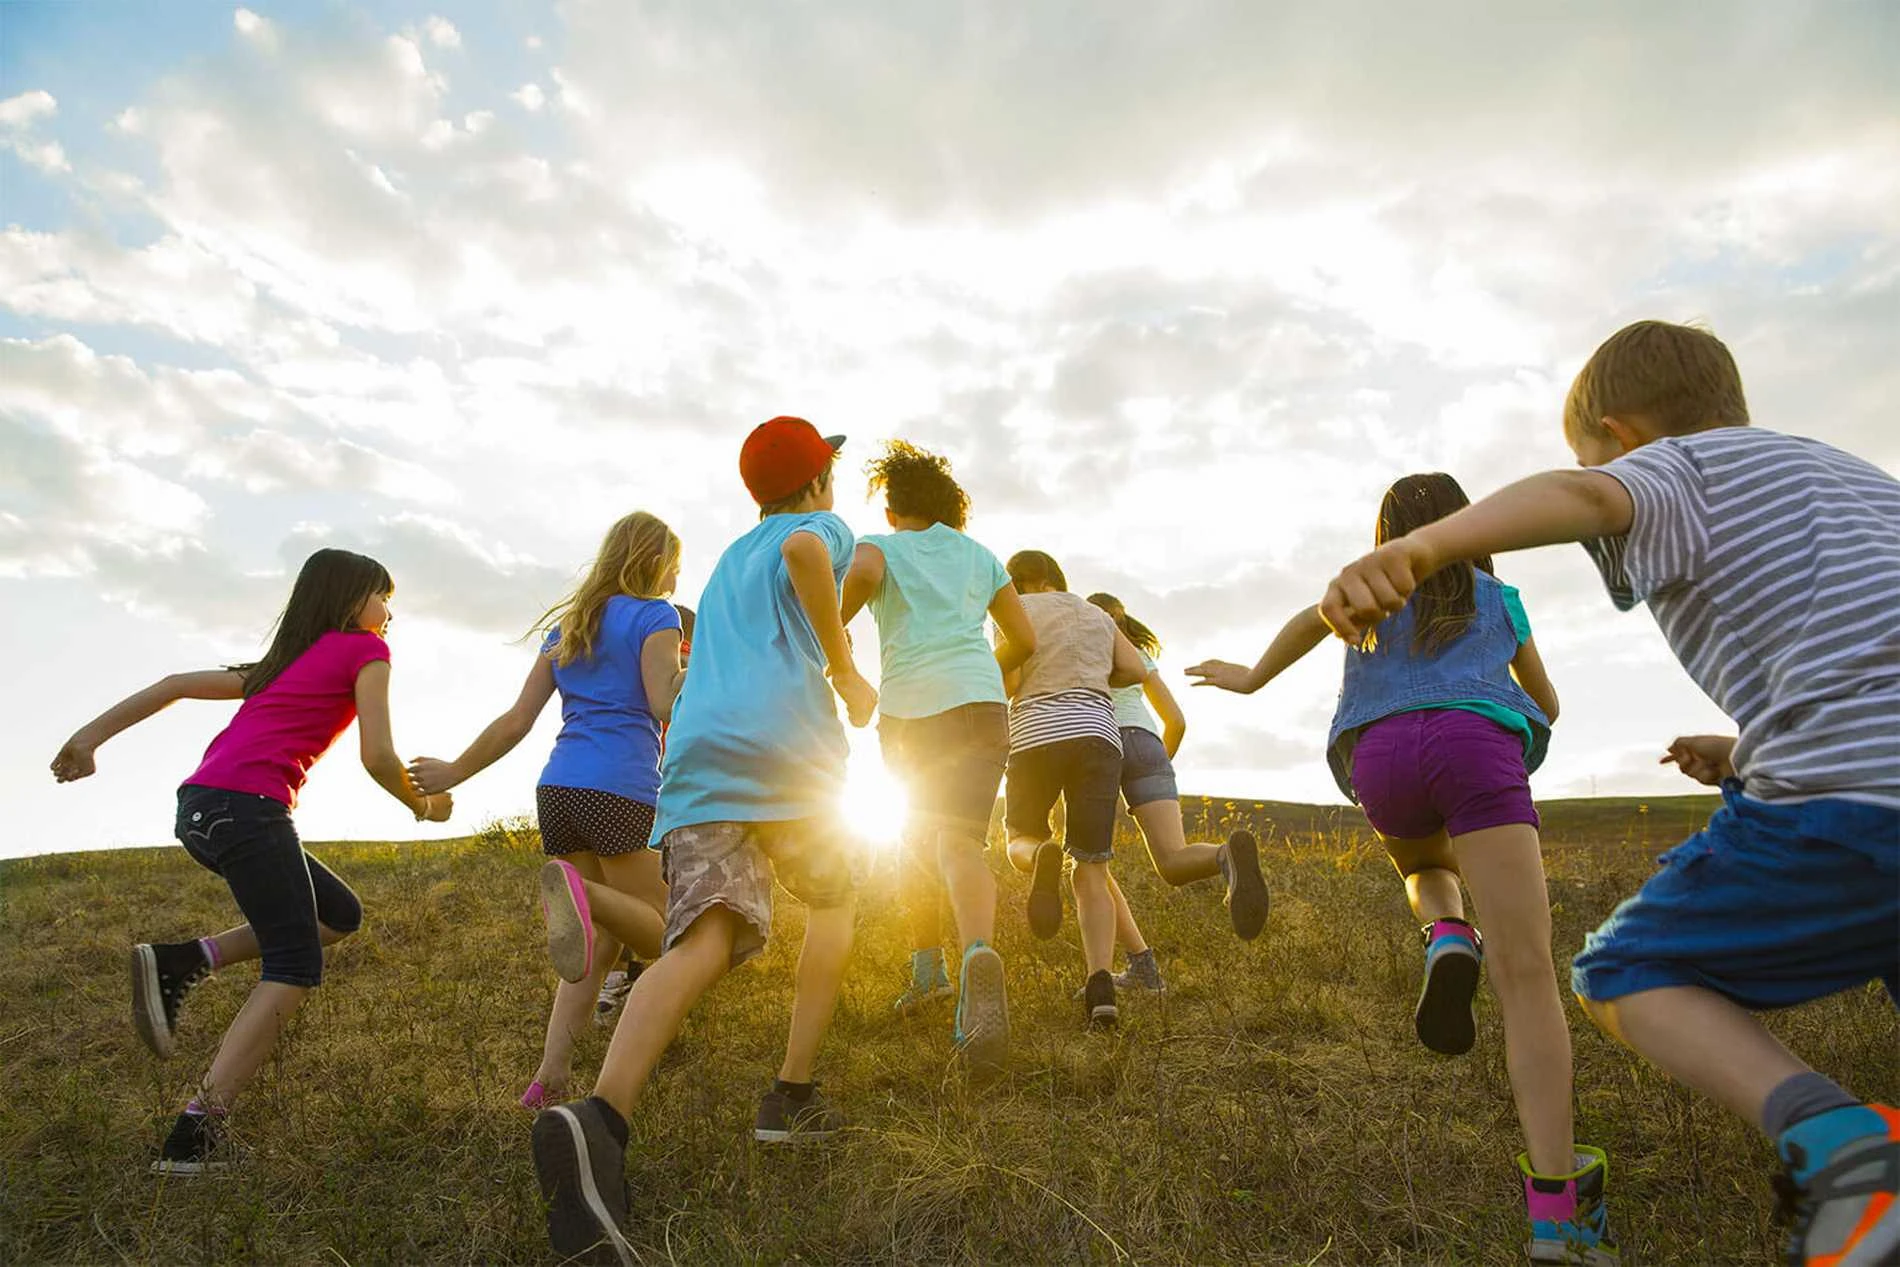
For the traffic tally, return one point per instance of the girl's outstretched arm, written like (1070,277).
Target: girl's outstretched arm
(861,581)
(1173,720)
(1012,621)
(1528,668)
(1297,637)
(75,759)
(379,750)
(497,740)
(660,672)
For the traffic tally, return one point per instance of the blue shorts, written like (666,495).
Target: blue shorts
(1768,906)
(1147,774)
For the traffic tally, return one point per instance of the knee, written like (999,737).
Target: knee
(1520,963)
(342,917)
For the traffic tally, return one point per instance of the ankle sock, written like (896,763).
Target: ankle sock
(1799,1098)
(209,948)
(796,1092)
(610,1117)
(198,1108)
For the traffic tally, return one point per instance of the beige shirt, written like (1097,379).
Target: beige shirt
(1075,646)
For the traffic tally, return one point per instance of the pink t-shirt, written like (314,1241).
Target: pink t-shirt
(279,733)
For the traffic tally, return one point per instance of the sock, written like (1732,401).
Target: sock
(1799,1098)
(198,1108)
(210,949)
(610,1117)
(926,966)
(796,1092)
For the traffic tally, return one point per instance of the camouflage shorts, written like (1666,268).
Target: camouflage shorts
(733,865)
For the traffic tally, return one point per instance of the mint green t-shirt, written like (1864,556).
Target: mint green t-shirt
(1131,702)
(937,589)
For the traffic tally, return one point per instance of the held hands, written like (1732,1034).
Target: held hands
(436,808)
(1704,758)
(74,761)
(432,774)
(859,696)
(1225,674)
(1368,590)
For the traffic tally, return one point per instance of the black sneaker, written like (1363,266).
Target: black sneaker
(1246,888)
(1098,997)
(785,1120)
(1045,890)
(162,975)
(195,1147)
(1454,956)
(580,1162)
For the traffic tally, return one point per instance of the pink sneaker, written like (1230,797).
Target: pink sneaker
(570,923)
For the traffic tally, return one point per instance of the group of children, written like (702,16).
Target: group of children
(1769,562)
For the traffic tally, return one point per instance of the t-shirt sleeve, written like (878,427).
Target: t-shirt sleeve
(655,618)
(1514,608)
(357,650)
(999,575)
(1668,536)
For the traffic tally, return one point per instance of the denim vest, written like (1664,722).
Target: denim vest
(1474,667)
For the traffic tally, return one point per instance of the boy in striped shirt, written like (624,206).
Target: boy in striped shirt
(1770,562)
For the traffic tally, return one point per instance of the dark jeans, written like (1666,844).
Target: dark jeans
(250,842)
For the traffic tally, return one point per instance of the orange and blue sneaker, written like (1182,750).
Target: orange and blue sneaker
(1569,1216)
(1454,955)
(1841,1169)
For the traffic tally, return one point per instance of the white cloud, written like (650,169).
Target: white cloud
(530,96)
(442,32)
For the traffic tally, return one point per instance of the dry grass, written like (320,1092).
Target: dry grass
(1272,1108)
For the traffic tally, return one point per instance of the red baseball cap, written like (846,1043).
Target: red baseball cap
(783,455)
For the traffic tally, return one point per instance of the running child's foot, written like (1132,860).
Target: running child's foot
(1098,1000)
(614,991)
(795,1113)
(1045,891)
(928,982)
(983,1012)
(1246,887)
(540,1095)
(1142,973)
(196,1146)
(1569,1217)
(580,1159)
(1838,1189)
(570,922)
(1454,952)
(162,974)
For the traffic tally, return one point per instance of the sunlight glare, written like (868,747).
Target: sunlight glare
(874,802)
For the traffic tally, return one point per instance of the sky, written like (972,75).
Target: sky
(1179,289)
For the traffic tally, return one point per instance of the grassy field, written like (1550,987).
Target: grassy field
(1272,1108)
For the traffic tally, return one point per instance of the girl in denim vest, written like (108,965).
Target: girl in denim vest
(1438,725)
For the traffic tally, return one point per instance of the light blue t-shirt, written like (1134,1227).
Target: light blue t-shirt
(755,734)
(1131,703)
(609,740)
(938,585)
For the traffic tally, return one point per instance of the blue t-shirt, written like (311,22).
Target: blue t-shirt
(609,740)
(938,585)
(755,734)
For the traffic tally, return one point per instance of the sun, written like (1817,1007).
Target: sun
(875,804)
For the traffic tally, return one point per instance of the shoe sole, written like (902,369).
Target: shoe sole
(1443,1020)
(985,1014)
(791,1135)
(1247,899)
(1879,1245)
(148,1003)
(1561,1254)
(1104,1016)
(170,1169)
(1045,891)
(922,1001)
(570,927)
(579,1221)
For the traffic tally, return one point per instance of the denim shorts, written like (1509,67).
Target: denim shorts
(1415,773)
(287,896)
(1768,906)
(1085,773)
(951,763)
(1147,774)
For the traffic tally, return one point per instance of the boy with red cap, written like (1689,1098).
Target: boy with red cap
(755,761)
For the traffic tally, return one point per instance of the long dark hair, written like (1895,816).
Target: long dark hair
(1145,639)
(331,588)
(918,485)
(1442,607)
(1033,567)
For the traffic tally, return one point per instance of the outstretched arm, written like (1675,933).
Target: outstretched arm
(497,740)
(1545,509)
(808,565)
(379,749)
(1297,637)
(75,757)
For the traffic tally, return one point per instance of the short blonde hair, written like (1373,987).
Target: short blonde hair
(1679,378)
(635,555)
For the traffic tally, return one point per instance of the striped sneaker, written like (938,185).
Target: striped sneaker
(1838,1192)
(1454,952)
(1569,1217)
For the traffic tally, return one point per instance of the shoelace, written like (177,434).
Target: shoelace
(184,985)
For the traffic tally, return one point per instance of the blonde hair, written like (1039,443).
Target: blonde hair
(635,555)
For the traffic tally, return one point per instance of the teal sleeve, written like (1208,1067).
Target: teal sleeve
(1514,608)
(999,574)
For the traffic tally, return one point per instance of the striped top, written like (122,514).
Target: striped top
(1047,719)
(1772,565)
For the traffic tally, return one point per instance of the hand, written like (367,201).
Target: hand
(1369,589)
(1704,758)
(431,774)
(1225,674)
(436,808)
(859,696)
(74,761)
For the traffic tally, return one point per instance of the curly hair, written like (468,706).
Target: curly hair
(918,485)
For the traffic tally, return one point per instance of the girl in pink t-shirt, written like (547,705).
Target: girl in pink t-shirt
(326,666)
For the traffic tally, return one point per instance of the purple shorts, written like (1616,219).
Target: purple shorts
(1441,767)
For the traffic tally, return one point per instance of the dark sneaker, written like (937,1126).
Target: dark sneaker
(1843,1167)
(195,1147)
(580,1162)
(983,1013)
(1453,955)
(1246,887)
(614,991)
(1569,1216)
(162,974)
(1045,890)
(784,1120)
(1143,974)
(1098,999)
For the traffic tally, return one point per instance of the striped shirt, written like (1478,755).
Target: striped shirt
(1047,719)
(1772,565)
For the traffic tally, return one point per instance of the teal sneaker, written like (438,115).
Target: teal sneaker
(927,983)
(983,1012)
(1569,1217)
(1838,1192)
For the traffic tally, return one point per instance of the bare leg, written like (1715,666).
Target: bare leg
(658,1003)
(1430,871)
(820,973)
(235,945)
(572,1012)
(1095,913)
(1127,932)
(1022,852)
(972,888)
(1175,860)
(1700,1038)
(614,895)
(248,1042)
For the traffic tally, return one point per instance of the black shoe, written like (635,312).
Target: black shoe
(785,1120)
(1045,890)
(580,1162)
(162,975)
(1454,956)
(1098,997)
(195,1147)
(1246,888)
